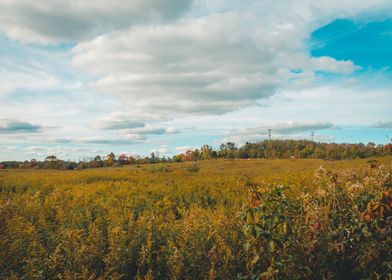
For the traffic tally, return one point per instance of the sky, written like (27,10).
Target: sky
(85,78)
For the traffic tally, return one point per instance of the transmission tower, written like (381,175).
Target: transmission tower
(312,135)
(269,134)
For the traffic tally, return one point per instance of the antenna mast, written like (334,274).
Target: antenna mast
(269,134)
(312,135)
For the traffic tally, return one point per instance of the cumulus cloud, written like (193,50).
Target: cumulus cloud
(167,63)
(163,150)
(285,130)
(150,130)
(26,68)
(62,152)
(329,64)
(125,140)
(309,10)
(48,21)
(383,124)
(16,126)
(129,128)
(298,127)
(288,127)
(183,149)
(209,65)
(61,140)
(118,120)
(341,104)
(10,80)
(172,130)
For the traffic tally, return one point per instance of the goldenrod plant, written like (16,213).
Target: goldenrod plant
(245,219)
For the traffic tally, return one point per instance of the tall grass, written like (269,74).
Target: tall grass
(270,219)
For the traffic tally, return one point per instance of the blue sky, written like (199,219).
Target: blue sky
(94,77)
(367,44)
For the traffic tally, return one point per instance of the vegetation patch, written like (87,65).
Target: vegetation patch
(263,219)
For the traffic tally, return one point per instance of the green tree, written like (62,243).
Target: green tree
(206,152)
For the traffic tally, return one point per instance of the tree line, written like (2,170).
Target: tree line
(264,149)
(288,149)
(110,160)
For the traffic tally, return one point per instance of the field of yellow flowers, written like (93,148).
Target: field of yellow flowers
(218,219)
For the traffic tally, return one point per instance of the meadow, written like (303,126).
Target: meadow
(213,219)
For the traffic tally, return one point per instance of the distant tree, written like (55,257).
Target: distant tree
(293,148)
(69,165)
(319,153)
(153,157)
(196,154)
(110,159)
(51,158)
(206,152)
(98,158)
(178,158)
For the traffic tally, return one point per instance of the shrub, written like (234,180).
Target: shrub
(341,228)
(193,168)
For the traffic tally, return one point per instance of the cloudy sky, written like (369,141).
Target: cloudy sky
(80,78)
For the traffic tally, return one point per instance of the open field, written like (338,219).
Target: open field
(218,219)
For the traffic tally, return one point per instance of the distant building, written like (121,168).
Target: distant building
(2,166)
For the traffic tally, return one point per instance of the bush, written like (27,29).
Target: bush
(341,228)
(193,168)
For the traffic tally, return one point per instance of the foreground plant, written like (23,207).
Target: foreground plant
(340,227)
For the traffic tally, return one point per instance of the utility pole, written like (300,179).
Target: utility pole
(269,134)
(312,134)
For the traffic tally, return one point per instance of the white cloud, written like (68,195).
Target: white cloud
(8,126)
(11,80)
(124,140)
(62,152)
(61,140)
(172,130)
(286,130)
(150,130)
(118,120)
(297,127)
(183,149)
(339,103)
(286,11)
(161,64)
(53,21)
(329,64)
(209,65)
(27,68)
(386,124)
(9,148)
(161,151)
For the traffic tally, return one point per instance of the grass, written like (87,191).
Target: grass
(168,221)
